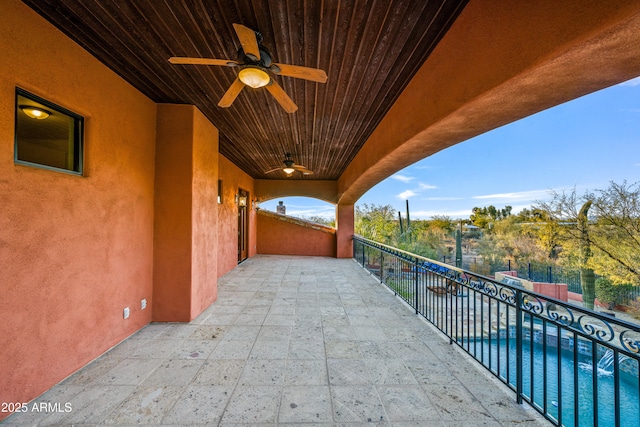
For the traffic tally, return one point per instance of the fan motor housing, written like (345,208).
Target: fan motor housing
(264,61)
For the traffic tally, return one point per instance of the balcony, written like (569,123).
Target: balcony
(290,340)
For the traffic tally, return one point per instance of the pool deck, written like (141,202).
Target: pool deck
(291,341)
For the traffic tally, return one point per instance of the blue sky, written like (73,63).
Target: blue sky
(584,143)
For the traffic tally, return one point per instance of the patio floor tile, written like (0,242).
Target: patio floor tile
(291,341)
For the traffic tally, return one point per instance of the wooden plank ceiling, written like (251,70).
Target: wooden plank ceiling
(370,50)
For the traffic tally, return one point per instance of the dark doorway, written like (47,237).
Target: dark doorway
(243,224)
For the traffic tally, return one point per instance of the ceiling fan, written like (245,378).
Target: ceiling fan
(255,63)
(290,167)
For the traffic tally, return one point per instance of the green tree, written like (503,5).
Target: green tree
(483,217)
(376,222)
(616,232)
(441,222)
(379,223)
(480,217)
(423,239)
(539,224)
(426,243)
(514,240)
(492,252)
(321,220)
(613,228)
(492,212)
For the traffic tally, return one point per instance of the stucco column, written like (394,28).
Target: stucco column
(186,219)
(344,230)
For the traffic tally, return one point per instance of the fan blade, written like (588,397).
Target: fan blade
(302,169)
(296,71)
(231,94)
(202,61)
(273,170)
(248,41)
(281,96)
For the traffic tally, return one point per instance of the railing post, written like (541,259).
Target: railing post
(529,271)
(519,342)
(363,255)
(415,269)
(354,243)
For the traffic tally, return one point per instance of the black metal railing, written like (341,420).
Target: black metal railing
(543,272)
(575,366)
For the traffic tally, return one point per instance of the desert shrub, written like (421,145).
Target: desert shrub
(607,292)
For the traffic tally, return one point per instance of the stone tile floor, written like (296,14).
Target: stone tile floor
(296,341)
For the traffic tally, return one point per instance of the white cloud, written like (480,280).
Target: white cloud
(301,211)
(517,196)
(442,199)
(463,213)
(515,209)
(308,214)
(406,194)
(632,82)
(424,167)
(457,214)
(402,178)
(427,186)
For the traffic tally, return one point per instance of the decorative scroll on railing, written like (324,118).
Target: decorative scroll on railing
(575,366)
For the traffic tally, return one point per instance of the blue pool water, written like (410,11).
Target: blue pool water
(563,396)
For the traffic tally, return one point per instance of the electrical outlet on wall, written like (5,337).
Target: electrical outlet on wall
(143,303)
(126,312)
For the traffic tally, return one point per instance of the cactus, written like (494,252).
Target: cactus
(458,248)
(409,223)
(587,278)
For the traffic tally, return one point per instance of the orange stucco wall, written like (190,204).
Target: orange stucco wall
(204,241)
(74,251)
(172,234)
(345,223)
(233,178)
(277,235)
(185,235)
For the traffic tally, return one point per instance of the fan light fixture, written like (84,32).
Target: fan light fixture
(289,167)
(35,112)
(254,77)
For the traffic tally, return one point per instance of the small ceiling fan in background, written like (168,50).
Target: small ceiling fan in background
(290,167)
(255,64)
